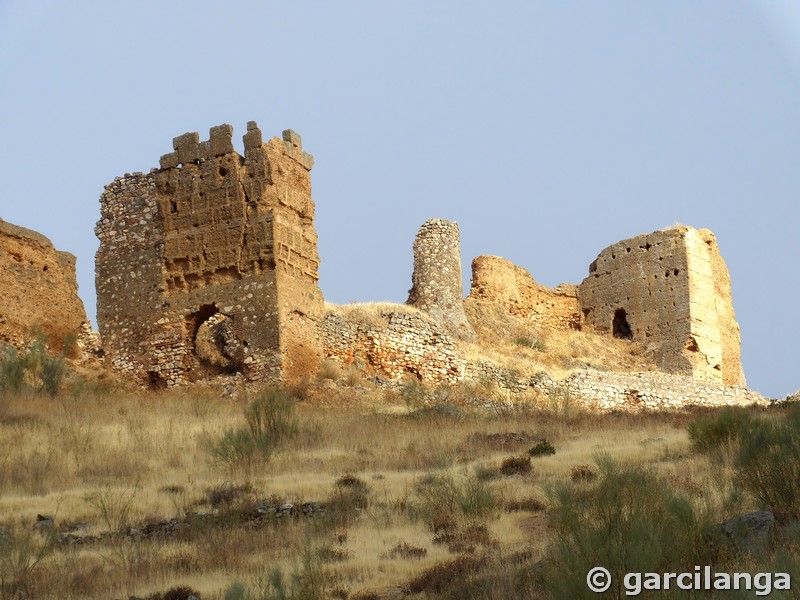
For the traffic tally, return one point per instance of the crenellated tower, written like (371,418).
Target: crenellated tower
(213,254)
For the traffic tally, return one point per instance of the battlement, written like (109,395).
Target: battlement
(212,237)
(188,149)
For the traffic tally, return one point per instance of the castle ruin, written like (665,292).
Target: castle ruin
(209,263)
(436,281)
(669,290)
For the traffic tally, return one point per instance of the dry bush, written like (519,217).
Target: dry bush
(580,473)
(532,505)
(403,549)
(516,465)
(329,369)
(438,578)
(372,314)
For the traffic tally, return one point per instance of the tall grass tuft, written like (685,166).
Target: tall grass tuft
(270,423)
(23,549)
(33,369)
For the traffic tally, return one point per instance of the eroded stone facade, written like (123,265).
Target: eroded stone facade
(211,233)
(395,341)
(669,290)
(38,290)
(500,282)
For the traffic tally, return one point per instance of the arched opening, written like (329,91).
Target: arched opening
(213,343)
(620,326)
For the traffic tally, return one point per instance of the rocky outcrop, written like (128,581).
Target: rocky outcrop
(436,282)
(669,290)
(38,290)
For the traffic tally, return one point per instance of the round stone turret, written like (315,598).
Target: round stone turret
(436,282)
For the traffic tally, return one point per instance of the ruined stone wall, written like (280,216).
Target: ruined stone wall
(212,232)
(670,291)
(606,390)
(436,281)
(500,283)
(38,290)
(394,341)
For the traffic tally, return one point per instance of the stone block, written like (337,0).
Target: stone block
(187,139)
(221,139)
(252,139)
(187,147)
(169,161)
(307,160)
(293,138)
(204,150)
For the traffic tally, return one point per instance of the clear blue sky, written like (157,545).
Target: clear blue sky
(547,130)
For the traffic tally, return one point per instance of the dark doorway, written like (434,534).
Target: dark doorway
(620,325)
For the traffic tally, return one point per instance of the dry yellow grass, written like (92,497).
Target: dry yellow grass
(372,313)
(59,451)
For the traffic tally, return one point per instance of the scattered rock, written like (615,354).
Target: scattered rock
(750,532)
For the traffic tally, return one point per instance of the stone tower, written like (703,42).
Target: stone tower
(669,290)
(436,282)
(212,249)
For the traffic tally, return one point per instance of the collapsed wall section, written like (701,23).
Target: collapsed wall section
(500,283)
(395,341)
(212,235)
(670,291)
(38,290)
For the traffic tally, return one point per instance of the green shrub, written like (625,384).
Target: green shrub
(413,393)
(271,419)
(12,371)
(444,499)
(235,448)
(33,368)
(768,462)
(630,521)
(543,448)
(708,433)
(51,374)
(533,343)
(23,549)
(270,423)
(308,582)
(349,498)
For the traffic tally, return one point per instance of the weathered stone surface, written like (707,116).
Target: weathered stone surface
(395,340)
(38,289)
(211,233)
(750,532)
(669,290)
(500,282)
(436,282)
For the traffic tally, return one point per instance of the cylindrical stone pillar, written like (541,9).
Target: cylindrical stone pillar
(436,282)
